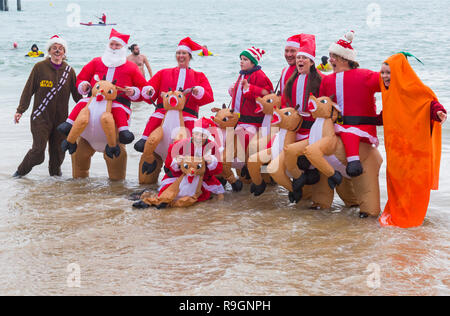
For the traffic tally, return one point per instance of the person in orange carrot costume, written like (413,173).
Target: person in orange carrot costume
(413,147)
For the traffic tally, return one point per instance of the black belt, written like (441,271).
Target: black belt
(251,119)
(307,124)
(187,110)
(359,120)
(124,101)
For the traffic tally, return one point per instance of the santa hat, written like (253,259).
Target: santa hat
(307,46)
(188,45)
(343,47)
(119,37)
(294,41)
(202,125)
(55,39)
(254,54)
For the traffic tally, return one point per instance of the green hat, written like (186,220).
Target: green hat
(254,54)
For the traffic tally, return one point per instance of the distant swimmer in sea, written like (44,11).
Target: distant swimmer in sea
(325,66)
(205,51)
(34,52)
(139,59)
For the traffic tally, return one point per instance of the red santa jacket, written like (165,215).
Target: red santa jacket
(127,75)
(176,78)
(354,91)
(244,102)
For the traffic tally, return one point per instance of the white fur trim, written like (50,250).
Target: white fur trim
(356,131)
(245,91)
(123,107)
(201,130)
(293,44)
(216,189)
(340,91)
(158,115)
(123,128)
(349,54)
(144,137)
(174,165)
(200,94)
(301,137)
(181,79)
(80,91)
(137,94)
(353,158)
(145,92)
(69,121)
(307,55)
(213,165)
(121,41)
(166,182)
(187,118)
(183,47)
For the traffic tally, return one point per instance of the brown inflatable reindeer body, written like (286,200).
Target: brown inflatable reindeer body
(94,130)
(326,152)
(172,128)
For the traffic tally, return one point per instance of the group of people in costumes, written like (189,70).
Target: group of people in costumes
(305,111)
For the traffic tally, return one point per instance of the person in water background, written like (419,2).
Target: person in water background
(324,65)
(139,59)
(34,52)
(51,82)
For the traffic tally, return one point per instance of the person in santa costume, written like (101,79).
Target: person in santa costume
(304,81)
(353,90)
(113,65)
(198,145)
(251,84)
(181,77)
(290,54)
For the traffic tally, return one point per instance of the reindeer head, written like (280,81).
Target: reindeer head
(105,90)
(323,107)
(225,117)
(267,103)
(287,118)
(174,100)
(193,166)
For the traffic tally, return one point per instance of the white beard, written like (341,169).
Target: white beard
(114,58)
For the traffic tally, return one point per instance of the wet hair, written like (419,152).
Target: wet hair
(131,48)
(312,86)
(33,46)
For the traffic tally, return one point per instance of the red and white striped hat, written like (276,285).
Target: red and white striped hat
(119,37)
(294,41)
(343,47)
(254,54)
(307,46)
(188,45)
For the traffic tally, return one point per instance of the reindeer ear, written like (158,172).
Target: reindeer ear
(180,89)
(104,77)
(279,93)
(114,82)
(170,89)
(215,110)
(332,96)
(232,111)
(224,106)
(297,107)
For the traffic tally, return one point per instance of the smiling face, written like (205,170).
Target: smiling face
(115,45)
(246,64)
(57,52)
(338,63)
(303,64)
(385,73)
(290,53)
(183,58)
(173,100)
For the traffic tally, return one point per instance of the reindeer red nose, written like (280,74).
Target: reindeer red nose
(173,101)
(100,97)
(312,106)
